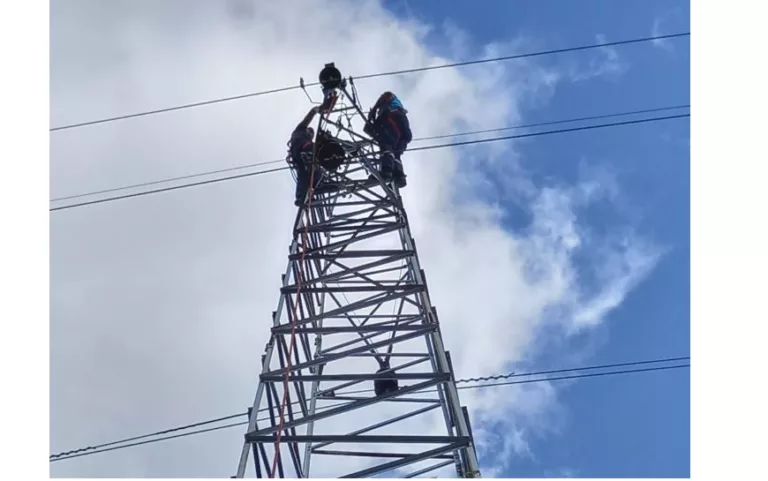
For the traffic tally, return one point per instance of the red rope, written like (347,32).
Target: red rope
(299,280)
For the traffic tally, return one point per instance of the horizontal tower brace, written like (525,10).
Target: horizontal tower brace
(361,288)
(354,254)
(358,377)
(405,461)
(345,408)
(364,454)
(372,438)
(286,329)
(339,355)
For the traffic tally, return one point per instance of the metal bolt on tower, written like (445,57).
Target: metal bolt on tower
(355,380)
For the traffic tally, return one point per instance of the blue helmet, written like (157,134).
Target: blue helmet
(395,103)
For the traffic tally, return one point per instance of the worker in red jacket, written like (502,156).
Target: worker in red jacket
(388,125)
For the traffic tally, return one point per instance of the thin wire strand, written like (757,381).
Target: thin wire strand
(549,132)
(414,149)
(168,189)
(98,448)
(171,109)
(417,139)
(576,376)
(163,181)
(551,371)
(63,456)
(149,441)
(553,122)
(369,76)
(572,369)
(527,55)
(143,436)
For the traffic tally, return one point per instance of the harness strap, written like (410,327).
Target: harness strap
(395,126)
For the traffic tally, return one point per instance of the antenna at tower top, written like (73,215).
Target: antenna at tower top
(330,77)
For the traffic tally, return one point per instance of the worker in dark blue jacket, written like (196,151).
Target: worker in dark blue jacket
(388,125)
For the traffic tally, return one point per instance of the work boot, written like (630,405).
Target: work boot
(386,176)
(387,169)
(399,174)
(400,181)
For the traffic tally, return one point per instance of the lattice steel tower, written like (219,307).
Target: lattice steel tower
(355,381)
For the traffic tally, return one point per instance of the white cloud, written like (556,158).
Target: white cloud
(160,305)
(661,26)
(603,62)
(564,472)
(662,43)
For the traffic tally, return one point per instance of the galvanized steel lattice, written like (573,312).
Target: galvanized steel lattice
(371,390)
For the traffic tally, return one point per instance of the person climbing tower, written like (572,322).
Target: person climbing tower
(388,125)
(301,150)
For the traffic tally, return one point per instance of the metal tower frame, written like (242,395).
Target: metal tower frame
(355,373)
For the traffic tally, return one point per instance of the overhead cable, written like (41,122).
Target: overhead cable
(382,74)
(417,139)
(476,384)
(414,149)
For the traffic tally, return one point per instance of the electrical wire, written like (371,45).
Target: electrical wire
(417,139)
(164,181)
(98,448)
(143,436)
(171,109)
(576,376)
(414,149)
(528,55)
(549,132)
(149,441)
(111,445)
(555,122)
(553,371)
(168,189)
(572,369)
(382,74)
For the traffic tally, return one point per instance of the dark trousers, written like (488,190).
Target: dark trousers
(303,174)
(394,134)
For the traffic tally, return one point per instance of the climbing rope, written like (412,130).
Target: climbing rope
(299,281)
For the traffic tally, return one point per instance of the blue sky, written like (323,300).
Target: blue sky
(636,425)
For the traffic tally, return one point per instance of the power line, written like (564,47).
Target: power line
(414,149)
(143,436)
(168,189)
(171,109)
(554,371)
(577,376)
(548,132)
(149,441)
(527,55)
(61,457)
(395,72)
(164,181)
(556,122)
(111,446)
(102,448)
(434,137)
(572,369)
